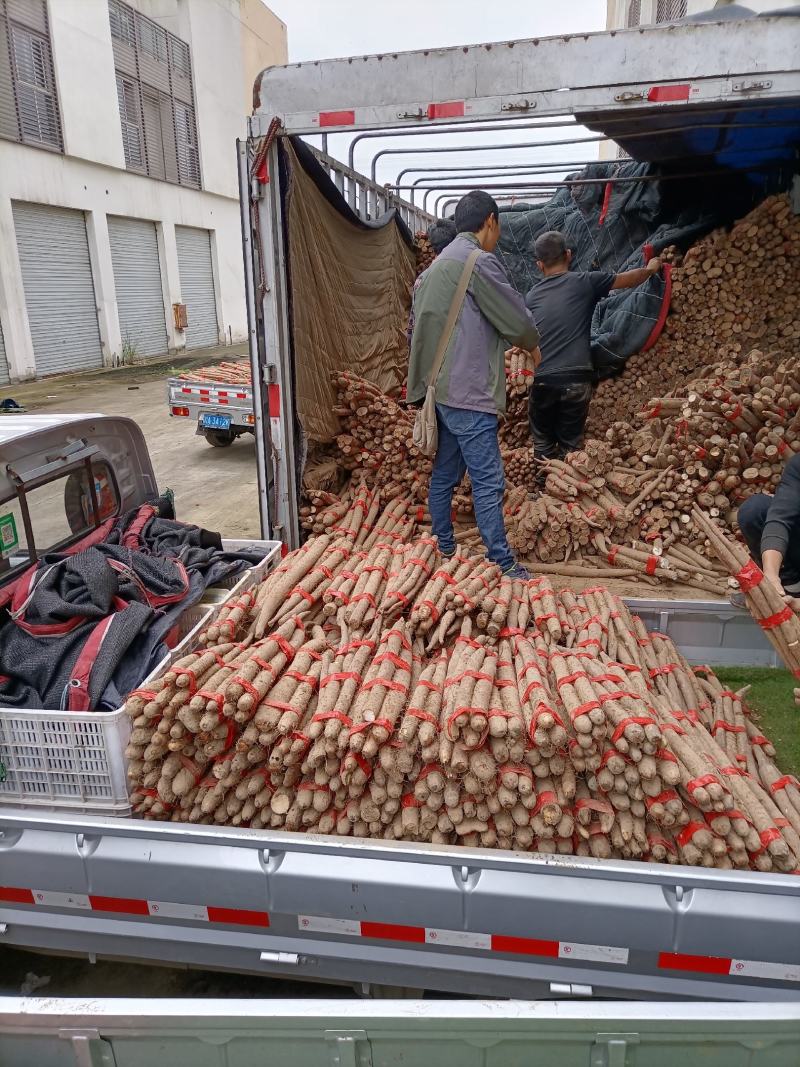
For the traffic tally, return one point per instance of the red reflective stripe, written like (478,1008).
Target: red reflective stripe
(238,917)
(394,932)
(337,118)
(527,946)
(451,109)
(658,94)
(680,961)
(274,396)
(120,905)
(15,896)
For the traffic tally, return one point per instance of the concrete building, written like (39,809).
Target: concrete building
(118,183)
(627,14)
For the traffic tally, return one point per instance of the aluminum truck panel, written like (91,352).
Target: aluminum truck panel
(450,919)
(716,61)
(63,1033)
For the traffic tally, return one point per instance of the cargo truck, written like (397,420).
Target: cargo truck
(220,407)
(403,915)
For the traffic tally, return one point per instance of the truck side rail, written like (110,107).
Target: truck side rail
(460,920)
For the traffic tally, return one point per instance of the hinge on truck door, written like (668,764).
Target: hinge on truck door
(751,87)
(611,1050)
(88,1048)
(348,1048)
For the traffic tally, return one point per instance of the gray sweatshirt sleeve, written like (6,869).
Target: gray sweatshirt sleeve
(502,305)
(784,512)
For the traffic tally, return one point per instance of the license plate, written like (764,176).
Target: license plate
(216,422)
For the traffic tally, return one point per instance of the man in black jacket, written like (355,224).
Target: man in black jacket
(563,303)
(771,527)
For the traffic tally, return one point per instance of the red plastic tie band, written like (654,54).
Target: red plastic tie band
(340,676)
(777,619)
(391,657)
(635,720)
(781,783)
(284,646)
(384,683)
(701,782)
(688,832)
(424,716)
(749,576)
(323,716)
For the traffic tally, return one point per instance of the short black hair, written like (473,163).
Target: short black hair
(551,248)
(441,234)
(473,210)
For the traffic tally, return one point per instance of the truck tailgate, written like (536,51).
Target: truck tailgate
(462,920)
(413,1033)
(192,399)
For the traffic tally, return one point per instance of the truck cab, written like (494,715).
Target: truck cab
(62,478)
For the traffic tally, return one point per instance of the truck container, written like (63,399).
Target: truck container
(405,915)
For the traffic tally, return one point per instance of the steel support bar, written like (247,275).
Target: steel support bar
(259,387)
(646,135)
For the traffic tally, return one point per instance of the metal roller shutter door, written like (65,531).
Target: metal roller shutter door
(59,290)
(3,361)
(137,279)
(197,286)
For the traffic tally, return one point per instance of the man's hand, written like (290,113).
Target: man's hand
(534,354)
(654,265)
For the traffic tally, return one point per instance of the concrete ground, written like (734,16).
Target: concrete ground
(215,488)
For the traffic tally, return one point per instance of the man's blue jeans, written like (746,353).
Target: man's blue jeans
(468,442)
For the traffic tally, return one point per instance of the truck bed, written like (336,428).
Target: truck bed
(482,922)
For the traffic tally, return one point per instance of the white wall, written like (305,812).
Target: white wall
(80,35)
(46,178)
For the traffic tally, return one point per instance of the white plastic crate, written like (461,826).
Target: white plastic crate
(74,761)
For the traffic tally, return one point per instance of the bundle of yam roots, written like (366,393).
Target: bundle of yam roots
(229,372)
(620,507)
(370,687)
(733,291)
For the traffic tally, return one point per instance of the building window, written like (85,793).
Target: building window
(130,114)
(670,10)
(28,101)
(156,97)
(634,14)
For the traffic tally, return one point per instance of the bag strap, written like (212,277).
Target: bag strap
(452,314)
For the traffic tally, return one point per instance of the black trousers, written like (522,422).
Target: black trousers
(752,517)
(557,415)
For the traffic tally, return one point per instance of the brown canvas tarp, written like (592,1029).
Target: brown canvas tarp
(350,286)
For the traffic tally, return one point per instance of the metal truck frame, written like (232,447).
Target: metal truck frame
(397,914)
